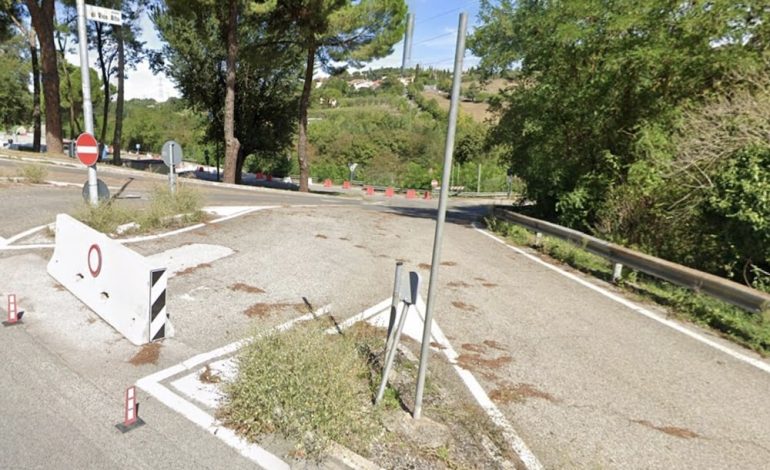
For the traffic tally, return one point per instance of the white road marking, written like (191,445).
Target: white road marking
(25,233)
(161,235)
(151,384)
(247,210)
(761,365)
(379,315)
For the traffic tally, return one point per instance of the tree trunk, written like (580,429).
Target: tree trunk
(231,142)
(105,83)
(68,85)
(304,103)
(119,105)
(35,92)
(42,16)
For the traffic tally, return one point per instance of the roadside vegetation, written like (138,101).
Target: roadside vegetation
(316,388)
(644,123)
(35,174)
(165,210)
(748,329)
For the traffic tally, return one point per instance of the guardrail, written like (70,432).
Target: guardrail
(698,281)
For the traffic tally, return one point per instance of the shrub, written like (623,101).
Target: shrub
(35,174)
(306,385)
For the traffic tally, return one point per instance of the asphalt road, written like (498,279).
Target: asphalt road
(586,381)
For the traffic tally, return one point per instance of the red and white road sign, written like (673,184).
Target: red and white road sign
(87,149)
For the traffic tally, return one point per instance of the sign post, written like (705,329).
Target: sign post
(106,16)
(172,156)
(441,216)
(88,110)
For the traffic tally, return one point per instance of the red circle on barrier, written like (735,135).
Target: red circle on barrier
(95,272)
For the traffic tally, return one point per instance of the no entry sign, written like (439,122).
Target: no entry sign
(86,148)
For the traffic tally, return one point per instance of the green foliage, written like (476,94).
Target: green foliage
(593,72)
(392,143)
(169,209)
(194,57)
(165,210)
(34,174)
(15,97)
(738,206)
(150,124)
(287,384)
(106,216)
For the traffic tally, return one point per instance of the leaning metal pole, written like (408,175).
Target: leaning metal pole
(441,217)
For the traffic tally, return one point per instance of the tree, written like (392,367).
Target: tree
(42,15)
(211,55)
(12,12)
(14,77)
(336,32)
(593,73)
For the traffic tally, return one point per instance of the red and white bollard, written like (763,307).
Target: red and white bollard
(411,194)
(131,417)
(14,315)
(346,185)
(327,183)
(389,192)
(370,191)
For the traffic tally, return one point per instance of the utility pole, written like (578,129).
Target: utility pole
(407,57)
(441,217)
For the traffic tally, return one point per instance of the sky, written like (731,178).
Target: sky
(434,40)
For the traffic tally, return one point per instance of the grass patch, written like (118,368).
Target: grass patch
(745,328)
(305,385)
(316,388)
(35,174)
(165,211)
(106,216)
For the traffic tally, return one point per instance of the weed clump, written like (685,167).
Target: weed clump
(166,210)
(35,174)
(306,385)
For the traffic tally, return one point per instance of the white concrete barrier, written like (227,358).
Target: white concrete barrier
(123,287)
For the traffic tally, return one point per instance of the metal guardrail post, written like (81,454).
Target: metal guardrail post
(728,291)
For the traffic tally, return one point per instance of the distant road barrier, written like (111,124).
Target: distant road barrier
(698,281)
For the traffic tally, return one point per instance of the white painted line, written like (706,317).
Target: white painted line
(518,445)
(24,234)
(25,247)
(247,211)
(86,150)
(379,316)
(253,452)
(161,235)
(151,384)
(761,365)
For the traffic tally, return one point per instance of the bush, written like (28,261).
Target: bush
(106,216)
(306,385)
(35,174)
(165,210)
(165,206)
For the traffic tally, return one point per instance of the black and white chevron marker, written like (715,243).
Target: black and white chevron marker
(158,313)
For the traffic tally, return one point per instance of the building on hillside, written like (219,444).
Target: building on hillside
(360,83)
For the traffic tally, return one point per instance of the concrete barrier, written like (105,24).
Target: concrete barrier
(118,284)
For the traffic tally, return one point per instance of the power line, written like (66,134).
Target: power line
(451,33)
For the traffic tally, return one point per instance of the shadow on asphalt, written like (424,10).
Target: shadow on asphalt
(457,215)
